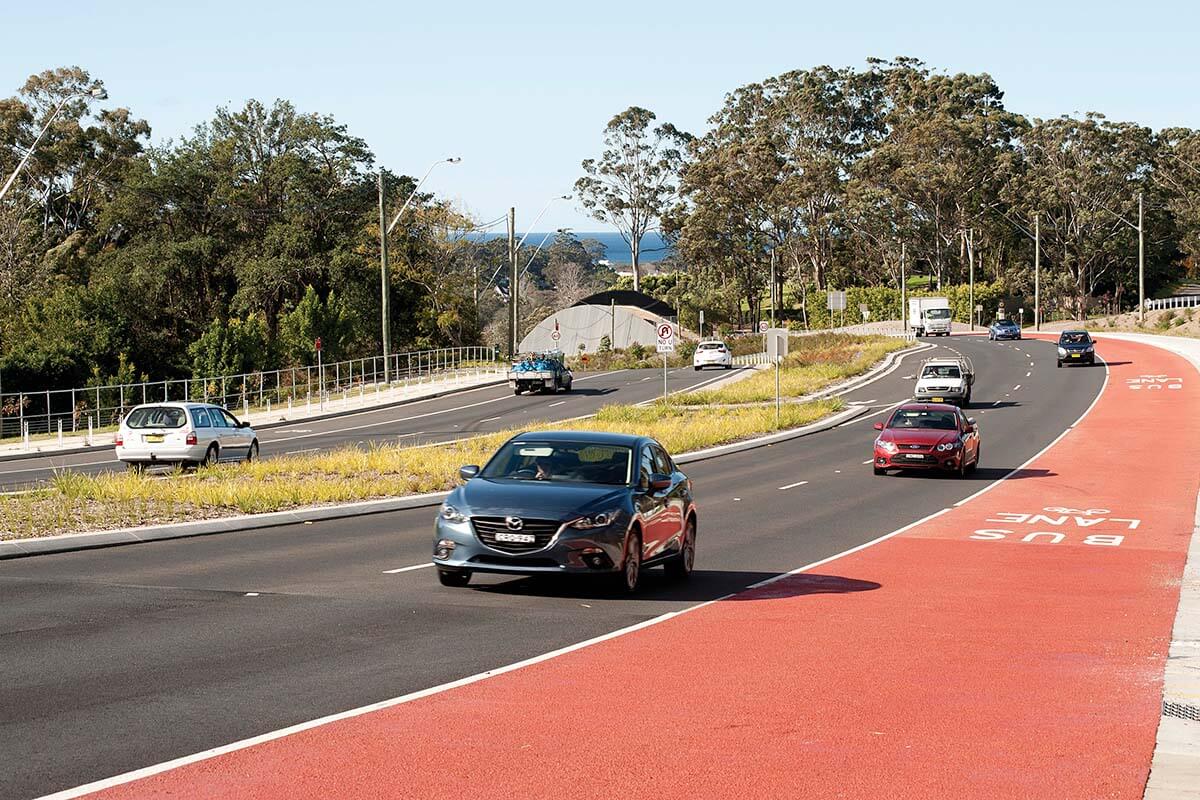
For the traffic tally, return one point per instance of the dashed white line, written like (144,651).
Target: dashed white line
(1031,363)
(559,403)
(407,569)
(1018,386)
(792,485)
(1027,374)
(869,461)
(489,419)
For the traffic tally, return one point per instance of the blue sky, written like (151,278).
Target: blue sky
(524,97)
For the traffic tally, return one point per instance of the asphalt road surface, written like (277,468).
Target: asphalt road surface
(438,419)
(125,657)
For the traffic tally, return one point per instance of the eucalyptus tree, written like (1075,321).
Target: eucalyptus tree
(635,178)
(1082,178)
(1177,175)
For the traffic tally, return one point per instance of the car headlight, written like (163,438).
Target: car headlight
(1062,351)
(452,514)
(948,446)
(886,446)
(1090,349)
(601,520)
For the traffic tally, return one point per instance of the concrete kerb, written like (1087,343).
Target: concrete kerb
(269,425)
(18,548)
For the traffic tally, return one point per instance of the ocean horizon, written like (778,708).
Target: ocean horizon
(615,249)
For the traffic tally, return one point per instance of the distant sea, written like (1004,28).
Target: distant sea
(615,249)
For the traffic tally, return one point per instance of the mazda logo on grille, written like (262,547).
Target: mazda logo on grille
(514,523)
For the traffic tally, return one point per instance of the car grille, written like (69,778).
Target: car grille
(938,388)
(543,531)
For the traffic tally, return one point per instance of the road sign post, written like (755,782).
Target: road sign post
(666,346)
(320,374)
(836,301)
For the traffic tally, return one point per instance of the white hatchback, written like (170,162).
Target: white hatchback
(713,353)
(187,434)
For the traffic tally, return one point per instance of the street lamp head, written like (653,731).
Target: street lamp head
(99,93)
(453,160)
(566,197)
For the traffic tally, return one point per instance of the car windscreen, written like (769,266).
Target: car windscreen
(156,417)
(712,346)
(933,420)
(1075,338)
(938,313)
(562,462)
(1006,323)
(941,371)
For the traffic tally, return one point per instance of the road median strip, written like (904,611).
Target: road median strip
(117,509)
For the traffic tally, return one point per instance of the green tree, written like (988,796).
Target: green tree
(634,179)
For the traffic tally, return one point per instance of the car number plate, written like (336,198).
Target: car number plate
(938,399)
(1074,355)
(914,456)
(518,538)
(153,438)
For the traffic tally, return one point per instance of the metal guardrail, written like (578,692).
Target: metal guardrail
(65,411)
(1181,301)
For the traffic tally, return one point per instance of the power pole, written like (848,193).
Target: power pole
(1037,272)
(513,290)
(903,287)
(773,287)
(1141,266)
(971,280)
(384,285)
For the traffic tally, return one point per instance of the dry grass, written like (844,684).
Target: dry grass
(814,363)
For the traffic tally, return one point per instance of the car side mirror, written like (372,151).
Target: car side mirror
(970,420)
(658,482)
(468,472)
(878,426)
(243,424)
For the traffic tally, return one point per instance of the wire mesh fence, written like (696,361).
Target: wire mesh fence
(25,415)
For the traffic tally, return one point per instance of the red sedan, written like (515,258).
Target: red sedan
(927,436)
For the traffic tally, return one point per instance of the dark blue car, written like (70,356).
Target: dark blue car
(1076,347)
(1004,329)
(569,502)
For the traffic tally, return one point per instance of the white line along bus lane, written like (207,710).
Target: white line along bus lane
(1095,527)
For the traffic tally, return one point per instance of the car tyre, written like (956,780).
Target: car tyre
(210,456)
(729,366)
(516,391)
(680,567)
(879,470)
(454,577)
(252,453)
(696,368)
(629,578)
(1058,364)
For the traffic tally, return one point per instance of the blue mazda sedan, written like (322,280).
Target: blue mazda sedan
(569,502)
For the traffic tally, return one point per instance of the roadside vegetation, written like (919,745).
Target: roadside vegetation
(74,502)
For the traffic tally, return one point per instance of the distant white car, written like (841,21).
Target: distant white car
(713,353)
(187,434)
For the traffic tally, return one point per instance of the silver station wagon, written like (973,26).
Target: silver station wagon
(187,434)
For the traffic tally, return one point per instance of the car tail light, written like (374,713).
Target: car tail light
(191,437)
(120,439)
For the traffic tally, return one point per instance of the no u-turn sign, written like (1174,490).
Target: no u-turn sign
(666,337)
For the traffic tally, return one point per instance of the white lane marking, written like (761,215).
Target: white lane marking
(1031,363)
(293,430)
(793,485)
(883,410)
(647,378)
(559,403)
(838,471)
(1045,449)
(299,452)
(1027,374)
(869,461)
(54,467)
(146,772)
(250,594)
(407,569)
(489,419)
(1015,388)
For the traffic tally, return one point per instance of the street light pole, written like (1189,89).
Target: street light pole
(971,279)
(772,287)
(1141,266)
(385,282)
(97,94)
(1037,272)
(903,287)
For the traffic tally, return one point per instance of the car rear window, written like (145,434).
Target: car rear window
(156,417)
(712,346)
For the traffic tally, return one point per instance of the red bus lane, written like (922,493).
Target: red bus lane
(1012,646)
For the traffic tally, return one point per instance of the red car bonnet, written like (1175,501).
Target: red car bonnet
(921,436)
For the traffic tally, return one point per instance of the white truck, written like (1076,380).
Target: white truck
(945,380)
(929,316)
